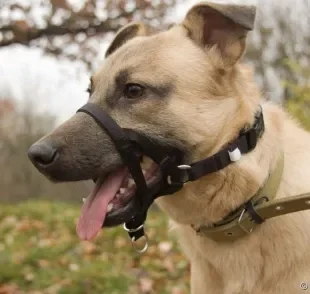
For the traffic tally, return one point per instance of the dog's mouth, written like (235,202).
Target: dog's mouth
(112,200)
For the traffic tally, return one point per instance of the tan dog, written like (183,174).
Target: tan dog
(186,87)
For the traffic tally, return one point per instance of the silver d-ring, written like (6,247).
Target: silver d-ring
(145,247)
(132,230)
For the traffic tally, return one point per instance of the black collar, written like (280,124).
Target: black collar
(245,143)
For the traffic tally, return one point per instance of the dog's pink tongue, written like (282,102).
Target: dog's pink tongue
(94,209)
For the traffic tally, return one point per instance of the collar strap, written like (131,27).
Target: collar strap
(245,143)
(244,225)
(261,207)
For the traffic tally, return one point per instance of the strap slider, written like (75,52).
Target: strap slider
(235,155)
(184,175)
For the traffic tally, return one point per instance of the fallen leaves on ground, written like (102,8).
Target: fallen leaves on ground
(41,254)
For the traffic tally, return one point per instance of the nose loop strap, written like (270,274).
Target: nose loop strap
(119,138)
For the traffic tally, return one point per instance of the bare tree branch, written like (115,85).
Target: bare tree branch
(74,32)
(25,36)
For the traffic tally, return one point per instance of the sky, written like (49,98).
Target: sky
(55,86)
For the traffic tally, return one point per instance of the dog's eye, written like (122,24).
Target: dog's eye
(133,91)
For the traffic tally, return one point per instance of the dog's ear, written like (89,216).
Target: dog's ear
(222,25)
(126,33)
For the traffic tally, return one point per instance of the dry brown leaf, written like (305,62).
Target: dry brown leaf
(54,289)
(169,265)
(88,247)
(146,285)
(177,290)
(61,4)
(165,247)
(29,277)
(43,263)
(21,25)
(23,226)
(9,289)
(74,267)
(120,242)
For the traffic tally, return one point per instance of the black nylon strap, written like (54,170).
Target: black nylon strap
(246,142)
(120,140)
(106,122)
(149,147)
(218,161)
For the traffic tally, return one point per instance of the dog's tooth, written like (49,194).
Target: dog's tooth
(131,183)
(148,161)
(110,207)
(144,165)
(84,200)
(122,190)
(144,172)
(118,196)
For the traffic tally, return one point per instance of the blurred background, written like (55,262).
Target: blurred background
(48,48)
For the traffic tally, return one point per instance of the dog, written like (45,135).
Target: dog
(187,87)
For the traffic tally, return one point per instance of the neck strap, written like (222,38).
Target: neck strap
(244,144)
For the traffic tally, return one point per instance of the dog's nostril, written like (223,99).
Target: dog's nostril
(42,153)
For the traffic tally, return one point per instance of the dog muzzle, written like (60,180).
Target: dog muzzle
(131,144)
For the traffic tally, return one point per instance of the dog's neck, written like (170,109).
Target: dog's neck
(232,187)
(217,195)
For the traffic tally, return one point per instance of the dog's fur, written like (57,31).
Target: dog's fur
(199,97)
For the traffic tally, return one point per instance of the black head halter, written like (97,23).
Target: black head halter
(130,145)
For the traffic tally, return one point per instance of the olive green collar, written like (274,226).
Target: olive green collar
(261,207)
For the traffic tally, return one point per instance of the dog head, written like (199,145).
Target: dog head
(183,87)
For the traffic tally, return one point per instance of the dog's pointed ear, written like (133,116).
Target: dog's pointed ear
(222,25)
(127,33)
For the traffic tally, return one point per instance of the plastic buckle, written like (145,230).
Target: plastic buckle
(235,155)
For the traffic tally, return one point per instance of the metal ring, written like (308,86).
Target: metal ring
(132,230)
(169,181)
(145,247)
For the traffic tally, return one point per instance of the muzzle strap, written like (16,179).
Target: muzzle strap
(128,145)
(131,144)
(122,143)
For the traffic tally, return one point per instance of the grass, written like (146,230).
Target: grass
(40,253)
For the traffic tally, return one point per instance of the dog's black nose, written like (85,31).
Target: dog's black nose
(42,154)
